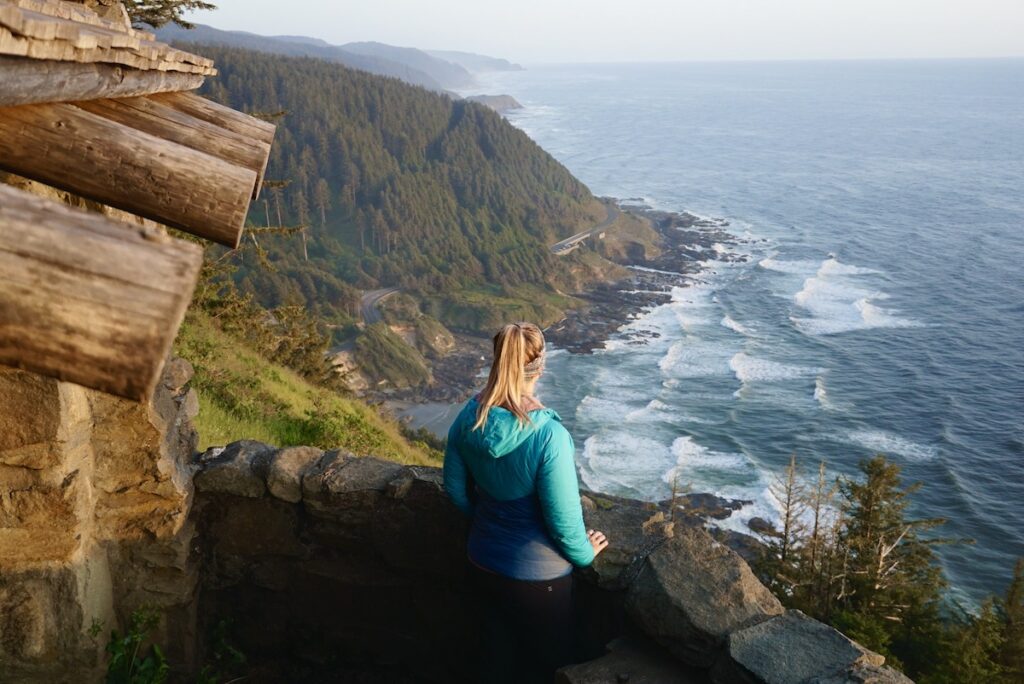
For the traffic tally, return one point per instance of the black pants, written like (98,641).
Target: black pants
(529,629)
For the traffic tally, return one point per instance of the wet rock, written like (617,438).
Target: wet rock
(761,526)
(693,592)
(749,548)
(704,506)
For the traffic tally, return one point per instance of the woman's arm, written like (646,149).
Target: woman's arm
(456,475)
(559,493)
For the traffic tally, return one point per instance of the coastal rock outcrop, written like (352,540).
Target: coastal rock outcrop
(499,103)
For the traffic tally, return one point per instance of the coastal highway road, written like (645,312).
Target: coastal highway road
(368,304)
(568,243)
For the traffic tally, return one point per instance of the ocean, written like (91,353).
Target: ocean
(880,308)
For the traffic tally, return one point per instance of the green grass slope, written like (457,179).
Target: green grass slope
(244,396)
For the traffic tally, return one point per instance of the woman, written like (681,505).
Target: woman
(510,467)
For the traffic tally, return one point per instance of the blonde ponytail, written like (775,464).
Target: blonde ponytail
(515,346)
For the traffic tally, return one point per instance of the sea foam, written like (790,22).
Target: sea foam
(884,442)
(751,369)
(838,301)
(624,462)
(821,393)
(729,323)
(691,456)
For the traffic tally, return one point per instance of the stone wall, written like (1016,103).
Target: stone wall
(95,494)
(332,567)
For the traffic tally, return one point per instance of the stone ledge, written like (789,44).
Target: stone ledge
(362,525)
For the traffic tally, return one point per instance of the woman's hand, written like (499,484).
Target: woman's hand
(597,540)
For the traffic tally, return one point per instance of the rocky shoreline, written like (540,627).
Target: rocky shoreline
(688,243)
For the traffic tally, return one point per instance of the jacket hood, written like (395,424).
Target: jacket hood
(502,433)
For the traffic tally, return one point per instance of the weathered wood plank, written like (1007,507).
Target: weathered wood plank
(44,27)
(219,115)
(75,150)
(87,299)
(29,81)
(63,31)
(155,118)
(66,10)
(154,57)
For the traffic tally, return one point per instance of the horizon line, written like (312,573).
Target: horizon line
(682,60)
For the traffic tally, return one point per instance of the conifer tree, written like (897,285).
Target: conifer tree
(783,565)
(892,582)
(818,584)
(1012,653)
(156,13)
(302,213)
(970,650)
(322,197)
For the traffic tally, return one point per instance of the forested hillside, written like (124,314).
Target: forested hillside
(398,187)
(301,46)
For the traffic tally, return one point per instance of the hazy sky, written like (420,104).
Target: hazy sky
(649,30)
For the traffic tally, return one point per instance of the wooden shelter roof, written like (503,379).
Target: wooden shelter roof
(67,32)
(96,108)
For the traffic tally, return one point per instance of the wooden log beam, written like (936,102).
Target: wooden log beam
(75,150)
(219,115)
(29,81)
(155,118)
(87,299)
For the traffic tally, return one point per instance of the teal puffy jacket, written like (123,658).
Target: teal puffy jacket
(518,483)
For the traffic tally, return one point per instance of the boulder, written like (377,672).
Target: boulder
(633,529)
(347,488)
(692,592)
(761,526)
(791,648)
(240,468)
(284,476)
